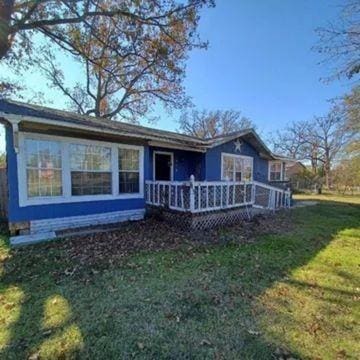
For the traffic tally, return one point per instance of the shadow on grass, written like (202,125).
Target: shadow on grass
(188,303)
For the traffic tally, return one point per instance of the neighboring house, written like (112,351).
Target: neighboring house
(66,170)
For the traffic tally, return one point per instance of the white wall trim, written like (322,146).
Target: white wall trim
(223,154)
(171,154)
(66,175)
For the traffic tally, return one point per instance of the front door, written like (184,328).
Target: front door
(163,166)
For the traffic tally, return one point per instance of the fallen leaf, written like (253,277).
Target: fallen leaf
(204,342)
(34,356)
(253,332)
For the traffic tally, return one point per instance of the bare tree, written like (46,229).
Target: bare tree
(339,41)
(330,135)
(209,124)
(318,141)
(294,142)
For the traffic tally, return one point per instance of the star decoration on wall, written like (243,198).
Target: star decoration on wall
(237,144)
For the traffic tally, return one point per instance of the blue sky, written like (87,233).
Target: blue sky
(259,61)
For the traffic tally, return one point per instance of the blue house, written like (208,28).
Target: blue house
(66,170)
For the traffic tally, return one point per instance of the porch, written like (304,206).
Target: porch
(215,201)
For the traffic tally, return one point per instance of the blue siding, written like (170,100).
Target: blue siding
(35,212)
(186,163)
(213,161)
(203,166)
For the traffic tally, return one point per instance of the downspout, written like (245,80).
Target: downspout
(15,130)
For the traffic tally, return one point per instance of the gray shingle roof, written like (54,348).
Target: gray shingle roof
(30,112)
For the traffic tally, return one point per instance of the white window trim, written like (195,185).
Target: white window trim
(238,157)
(281,170)
(172,163)
(66,171)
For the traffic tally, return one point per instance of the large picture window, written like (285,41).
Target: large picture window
(55,169)
(90,170)
(275,171)
(43,168)
(236,167)
(129,171)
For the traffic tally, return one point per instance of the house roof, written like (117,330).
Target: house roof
(23,112)
(288,160)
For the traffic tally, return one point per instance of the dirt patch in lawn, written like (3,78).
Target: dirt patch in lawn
(154,235)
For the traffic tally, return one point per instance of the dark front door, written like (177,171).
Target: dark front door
(163,167)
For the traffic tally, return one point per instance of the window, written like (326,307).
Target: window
(43,168)
(90,170)
(236,167)
(289,170)
(54,169)
(129,171)
(247,168)
(275,171)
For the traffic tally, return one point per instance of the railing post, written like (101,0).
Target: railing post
(288,197)
(253,192)
(192,193)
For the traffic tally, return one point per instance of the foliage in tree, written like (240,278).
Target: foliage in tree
(307,179)
(352,108)
(8,88)
(346,175)
(339,42)
(2,160)
(209,124)
(132,52)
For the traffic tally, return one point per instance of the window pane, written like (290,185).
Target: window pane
(238,164)
(31,150)
(90,157)
(43,161)
(237,168)
(275,167)
(247,169)
(229,175)
(128,159)
(32,183)
(228,168)
(128,182)
(275,176)
(90,183)
(91,169)
(275,171)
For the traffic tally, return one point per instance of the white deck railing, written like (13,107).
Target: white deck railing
(200,196)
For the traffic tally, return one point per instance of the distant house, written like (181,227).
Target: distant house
(66,170)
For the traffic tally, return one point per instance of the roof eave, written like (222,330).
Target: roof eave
(189,145)
(266,153)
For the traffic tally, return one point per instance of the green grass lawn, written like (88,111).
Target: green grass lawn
(294,294)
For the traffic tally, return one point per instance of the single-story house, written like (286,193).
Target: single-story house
(66,170)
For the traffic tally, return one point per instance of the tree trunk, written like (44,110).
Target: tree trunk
(327,169)
(6,9)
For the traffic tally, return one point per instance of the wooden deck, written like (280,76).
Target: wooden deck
(204,196)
